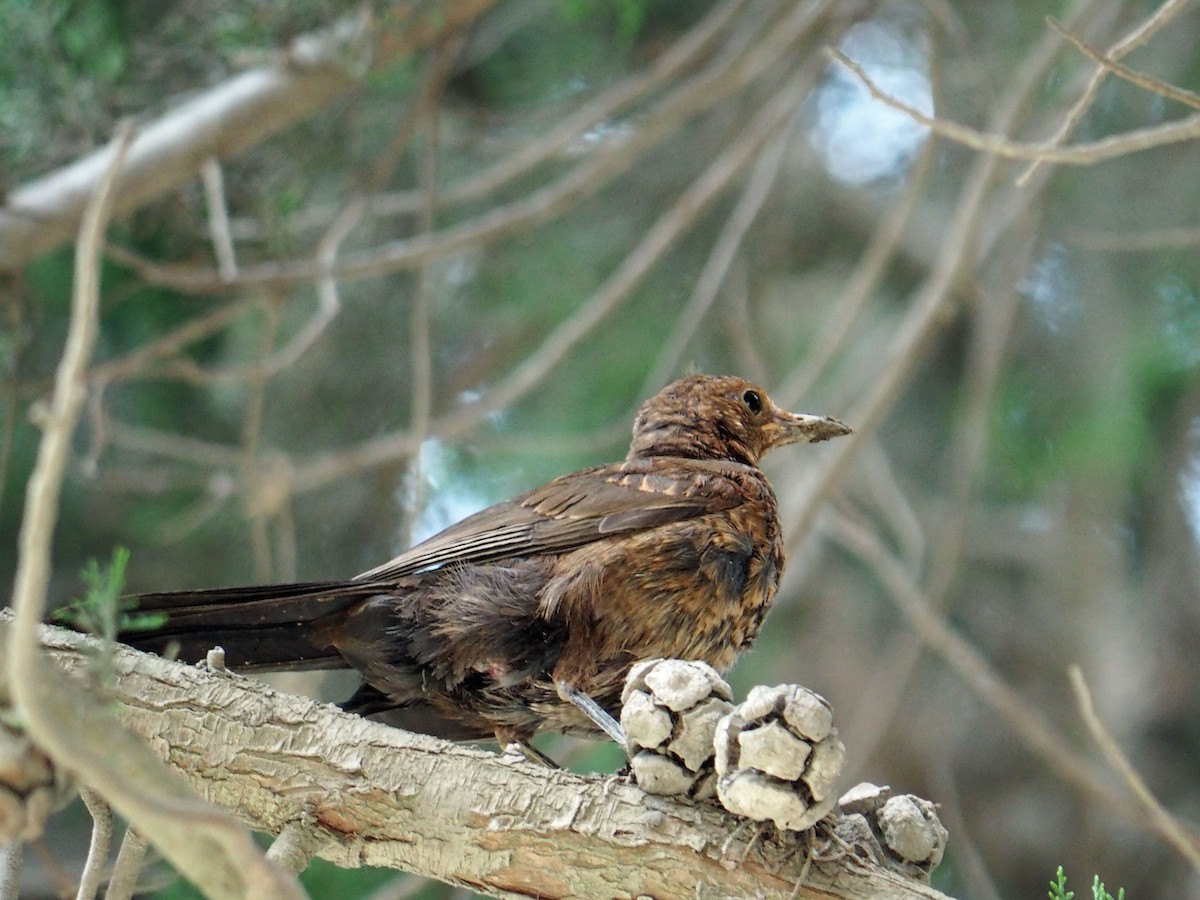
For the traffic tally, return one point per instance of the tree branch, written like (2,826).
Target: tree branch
(1084,154)
(368,794)
(79,735)
(220,123)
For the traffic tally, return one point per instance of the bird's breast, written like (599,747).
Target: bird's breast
(697,589)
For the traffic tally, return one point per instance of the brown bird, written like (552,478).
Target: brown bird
(527,616)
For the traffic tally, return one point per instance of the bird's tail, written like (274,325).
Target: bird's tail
(275,627)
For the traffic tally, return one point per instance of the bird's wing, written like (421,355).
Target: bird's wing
(571,511)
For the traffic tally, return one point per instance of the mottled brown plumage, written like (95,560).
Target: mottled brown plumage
(495,624)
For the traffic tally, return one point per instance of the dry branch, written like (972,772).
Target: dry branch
(1147,82)
(1083,154)
(1174,831)
(78,734)
(384,797)
(225,120)
(1134,39)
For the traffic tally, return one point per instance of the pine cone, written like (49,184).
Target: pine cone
(779,756)
(669,711)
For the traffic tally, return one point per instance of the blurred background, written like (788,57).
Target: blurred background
(532,220)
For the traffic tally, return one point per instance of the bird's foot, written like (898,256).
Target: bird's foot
(593,710)
(514,750)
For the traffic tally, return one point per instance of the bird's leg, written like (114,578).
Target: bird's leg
(593,710)
(513,743)
(526,750)
(533,754)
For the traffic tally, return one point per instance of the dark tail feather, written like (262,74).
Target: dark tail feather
(274,627)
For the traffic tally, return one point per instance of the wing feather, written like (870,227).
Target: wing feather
(572,511)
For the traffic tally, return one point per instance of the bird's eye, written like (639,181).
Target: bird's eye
(753,401)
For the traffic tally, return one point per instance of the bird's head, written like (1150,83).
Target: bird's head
(721,417)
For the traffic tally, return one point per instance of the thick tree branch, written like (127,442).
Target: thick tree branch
(380,796)
(225,120)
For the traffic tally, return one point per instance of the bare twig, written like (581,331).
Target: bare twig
(420,343)
(991,327)
(868,273)
(226,120)
(977,674)
(967,855)
(297,843)
(263,499)
(98,847)
(1165,824)
(128,866)
(71,727)
(1135,241)
(931,304)
(716,268)
(145,360)
(617,288)
(744,337)
(180,448)
(730,72)
(869,270)
(1147,82)
(667,67)
(45,483)
(218,218)
(1134,39)
(1087,154)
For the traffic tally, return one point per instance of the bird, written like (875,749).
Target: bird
(526,617)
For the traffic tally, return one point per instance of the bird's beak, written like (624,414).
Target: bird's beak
(791,428)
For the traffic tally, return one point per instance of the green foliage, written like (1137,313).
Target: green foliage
(94,40)
(1058,889)
(628,16)
(103,611)
(78,50)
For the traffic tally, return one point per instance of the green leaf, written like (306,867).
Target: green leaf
(1058,887)
(103,611)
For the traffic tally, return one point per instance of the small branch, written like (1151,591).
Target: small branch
(720,259)
(668,67)
(978,675)
(868,273)
(1166,824)
(297,843)
(128,866)
(225,120)
(1147,82)
(931,306)
(616,289)
(1134,241)
(1088,154)
(218,218)
(98,847)
(1134,39)
(728,74)
(427,113)
(78,733)
(139,363)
